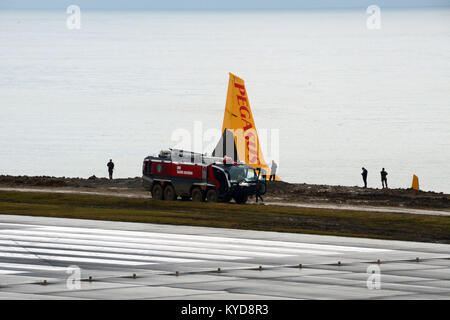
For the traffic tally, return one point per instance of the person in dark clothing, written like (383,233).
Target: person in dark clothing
(364,176)
(258,194)
(110,166)
(262,173)
(384,178)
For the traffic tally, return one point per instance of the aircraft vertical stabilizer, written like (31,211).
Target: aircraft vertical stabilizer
(240,139)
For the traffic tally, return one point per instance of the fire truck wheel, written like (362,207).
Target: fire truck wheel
(169,193)
(211,195)
(157,192)
(197,195)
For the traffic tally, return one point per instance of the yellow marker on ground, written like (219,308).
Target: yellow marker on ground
(415,182)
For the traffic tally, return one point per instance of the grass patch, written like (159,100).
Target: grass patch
(396,226)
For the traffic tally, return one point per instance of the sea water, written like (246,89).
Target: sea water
(338,94)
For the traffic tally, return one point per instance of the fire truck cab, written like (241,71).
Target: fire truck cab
(194,176)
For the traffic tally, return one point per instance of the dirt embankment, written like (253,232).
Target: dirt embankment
(276,191)
(358,196)
(92,182)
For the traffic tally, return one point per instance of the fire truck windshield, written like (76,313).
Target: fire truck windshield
(242,172)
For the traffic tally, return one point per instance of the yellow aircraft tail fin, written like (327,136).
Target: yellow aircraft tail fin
(240,139)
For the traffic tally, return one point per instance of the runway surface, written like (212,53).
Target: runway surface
(180,262)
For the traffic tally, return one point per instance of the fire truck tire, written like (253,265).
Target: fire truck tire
(241,199)
(197,195)
(211,195)
(157,192)
(169,193)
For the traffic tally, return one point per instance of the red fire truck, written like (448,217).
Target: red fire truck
(189,175)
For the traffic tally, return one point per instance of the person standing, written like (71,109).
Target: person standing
(273,170)
(258,194)
(261,175)
(384,178)
(110,166)
(364,176)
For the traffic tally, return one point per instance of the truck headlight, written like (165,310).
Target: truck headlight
(244,184)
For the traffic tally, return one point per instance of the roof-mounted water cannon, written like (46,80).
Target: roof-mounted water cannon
(165,154)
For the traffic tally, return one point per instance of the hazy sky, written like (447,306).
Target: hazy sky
(215,4)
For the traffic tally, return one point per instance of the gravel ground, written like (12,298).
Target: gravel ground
(279,192)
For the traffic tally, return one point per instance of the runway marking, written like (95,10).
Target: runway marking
(137,248)
(153,235)
(7,272)
(31,266)
(197,238)
(178,249)
(71,259)
(95,254)
(260,247)
(98,247)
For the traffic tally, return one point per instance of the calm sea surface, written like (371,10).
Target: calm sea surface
(122,86)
